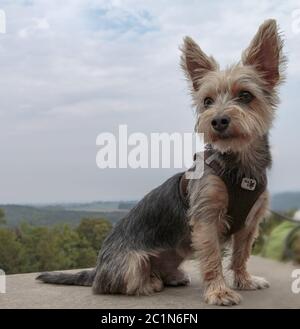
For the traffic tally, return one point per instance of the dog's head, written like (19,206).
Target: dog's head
(236,105)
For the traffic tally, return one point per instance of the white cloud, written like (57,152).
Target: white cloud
(72,69)
(36,25)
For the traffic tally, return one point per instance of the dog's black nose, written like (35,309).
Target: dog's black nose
(220,123)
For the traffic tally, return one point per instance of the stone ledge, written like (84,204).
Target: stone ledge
(24,292)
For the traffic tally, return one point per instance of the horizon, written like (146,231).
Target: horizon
(76,202)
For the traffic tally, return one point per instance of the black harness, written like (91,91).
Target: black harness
(243,192)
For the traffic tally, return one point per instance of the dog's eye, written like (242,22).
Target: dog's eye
(245,97)
(208,102)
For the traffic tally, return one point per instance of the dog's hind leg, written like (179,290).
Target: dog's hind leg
(166,265)
(130,274)
(139,277)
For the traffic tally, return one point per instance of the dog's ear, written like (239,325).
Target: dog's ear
(265,53)
(195,62)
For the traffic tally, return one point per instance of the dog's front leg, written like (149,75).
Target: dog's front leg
(205,241)
(242,246)
(208,219)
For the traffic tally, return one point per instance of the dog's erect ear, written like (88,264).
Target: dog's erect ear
(265,53)
(195,62)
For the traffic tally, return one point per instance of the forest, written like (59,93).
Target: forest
(33,248)
(30,248)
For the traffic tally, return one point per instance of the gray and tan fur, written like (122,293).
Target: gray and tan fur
(143,252)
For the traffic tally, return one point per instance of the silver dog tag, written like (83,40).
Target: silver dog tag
(248,184)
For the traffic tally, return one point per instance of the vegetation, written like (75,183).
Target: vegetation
(30,248)
(2,215)
(279,239)
(51,215)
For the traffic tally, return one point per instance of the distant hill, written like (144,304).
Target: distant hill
(127,205)
(93,206)
(51,215)
(72,213)
(285,201)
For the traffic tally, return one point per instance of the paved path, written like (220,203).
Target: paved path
(24,292)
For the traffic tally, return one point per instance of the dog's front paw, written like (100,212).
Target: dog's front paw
(250,282)
(222,296)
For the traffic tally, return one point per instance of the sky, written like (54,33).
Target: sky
(70,70)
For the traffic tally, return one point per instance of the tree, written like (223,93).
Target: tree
(38,246)
(11,253)
(30,248)
(73,251)
(2,215)
(85,255)
(94,231)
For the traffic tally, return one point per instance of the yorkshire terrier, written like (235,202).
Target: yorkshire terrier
(235,108)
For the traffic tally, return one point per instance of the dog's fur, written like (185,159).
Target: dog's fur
(144,250)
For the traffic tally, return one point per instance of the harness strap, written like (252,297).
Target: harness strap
(209,158)
(242,193)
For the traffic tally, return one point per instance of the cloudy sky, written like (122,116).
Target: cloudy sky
(70,70)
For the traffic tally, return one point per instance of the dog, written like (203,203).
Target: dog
(235,108)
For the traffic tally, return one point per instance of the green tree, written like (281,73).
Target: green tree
(30,248)
(94,231)
(38,246)
(56,248)
(11,253)
(85,255)
(73,251)
(2,215)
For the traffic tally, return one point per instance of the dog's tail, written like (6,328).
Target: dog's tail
(83,278)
